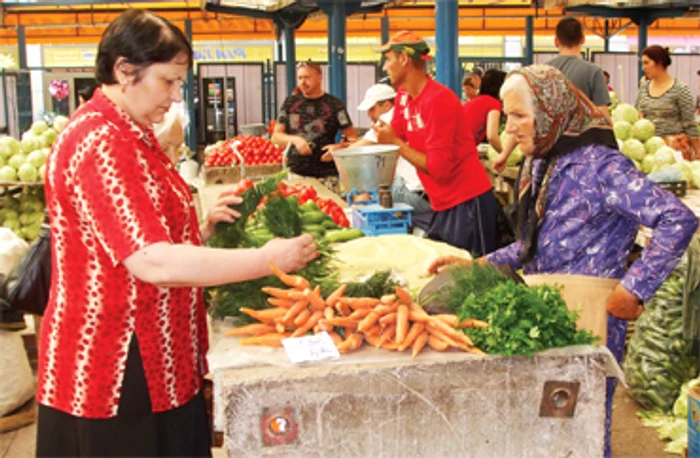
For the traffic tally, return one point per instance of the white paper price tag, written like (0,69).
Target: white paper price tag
(310,348)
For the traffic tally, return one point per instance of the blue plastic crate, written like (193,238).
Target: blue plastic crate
(376,220)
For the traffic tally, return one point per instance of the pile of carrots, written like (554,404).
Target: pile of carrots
(393,322)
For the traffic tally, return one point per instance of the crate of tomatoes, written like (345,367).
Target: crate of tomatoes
(244,156)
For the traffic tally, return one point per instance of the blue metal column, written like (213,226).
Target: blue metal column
(337,57)
(606,42)
(643,25)
(447,42)
(191,112)
(529,40)
(290,56)
(22,47)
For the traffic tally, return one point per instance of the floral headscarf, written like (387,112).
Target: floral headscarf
(562,114)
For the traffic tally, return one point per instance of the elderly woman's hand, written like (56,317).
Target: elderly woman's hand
(291,254)
(444,262)
(623,304)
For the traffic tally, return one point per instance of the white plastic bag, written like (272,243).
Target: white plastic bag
(12,248)
(17,382)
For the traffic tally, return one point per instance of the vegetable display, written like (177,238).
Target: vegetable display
(658,362)
(672,427)
(636,139)
(255,151)
(393,322)
(267,213)
(23,161)
(23,212)
(521,320)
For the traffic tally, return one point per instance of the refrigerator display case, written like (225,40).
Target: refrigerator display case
(218,109)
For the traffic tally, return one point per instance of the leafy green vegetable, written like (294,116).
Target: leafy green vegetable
(659,357)
(522,320)
(378,285)
(282,217)
(233,235)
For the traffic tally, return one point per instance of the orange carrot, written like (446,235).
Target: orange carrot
(359,314)
(342,308)
(413,333)
(388,319)
(372,340)
(388,299)
(335,295)
(266,316)
(368,321)
(336,337)
(294,281)
(279,327)
(388,334)
(353,342)
(403,295)
(279,293)
(268,340)
(448,319)
(418,317)
(342,322)
(476,350)
(295,310)
(450,331)
(391,346)
(302,318)
(310,323)
(360,302)
(284,303)
(472,323)
(251,330)
(447,339)
(419,343)
(401,323)
(436,343)
(374,331)
(314,297)
(384,309)
(328,313)
(297,295)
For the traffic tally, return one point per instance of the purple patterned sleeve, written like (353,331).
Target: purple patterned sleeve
(627,191)
(507,255)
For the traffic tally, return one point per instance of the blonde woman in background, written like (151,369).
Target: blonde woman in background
(170,132)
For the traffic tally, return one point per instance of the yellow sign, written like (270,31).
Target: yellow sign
(231,52)
(69,56)
(9,57)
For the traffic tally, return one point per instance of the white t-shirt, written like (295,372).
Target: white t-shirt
(404,169)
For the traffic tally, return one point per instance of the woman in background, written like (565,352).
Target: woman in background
(668,103)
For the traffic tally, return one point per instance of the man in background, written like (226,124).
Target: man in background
(428,127)
(471,89)
(310,121)
(407,188)
(586,76)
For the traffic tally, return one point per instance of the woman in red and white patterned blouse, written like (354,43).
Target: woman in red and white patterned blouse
(124,338)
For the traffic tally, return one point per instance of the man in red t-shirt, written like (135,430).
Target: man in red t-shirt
(428,127)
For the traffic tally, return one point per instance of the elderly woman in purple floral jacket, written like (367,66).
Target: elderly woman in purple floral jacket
(581,202)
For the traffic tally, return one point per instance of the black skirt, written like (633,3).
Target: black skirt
(135,431)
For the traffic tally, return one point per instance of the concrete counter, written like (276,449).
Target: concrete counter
(437,405)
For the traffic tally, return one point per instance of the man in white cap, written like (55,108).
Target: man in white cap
(407,188)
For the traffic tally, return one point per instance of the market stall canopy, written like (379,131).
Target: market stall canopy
(691,7)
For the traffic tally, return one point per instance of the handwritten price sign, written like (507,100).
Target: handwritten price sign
(318,347)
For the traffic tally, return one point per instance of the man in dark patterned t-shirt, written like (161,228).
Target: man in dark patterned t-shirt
(310,120)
